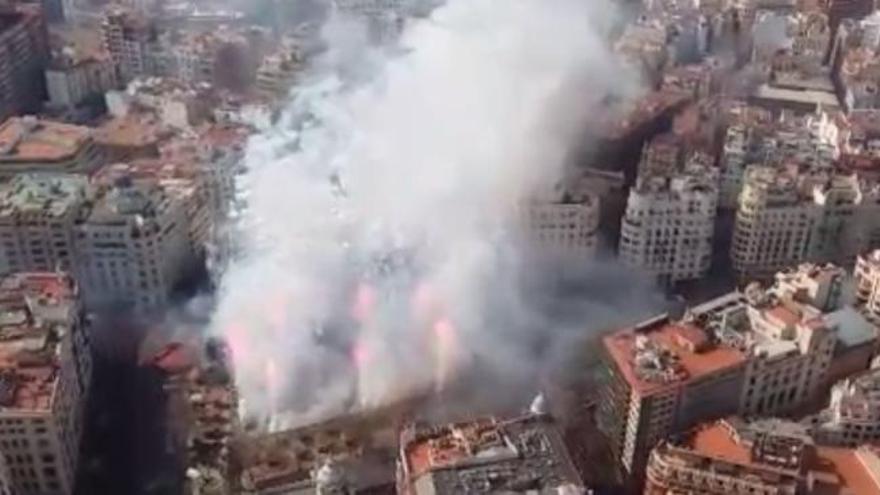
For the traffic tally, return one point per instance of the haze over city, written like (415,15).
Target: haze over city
(439,247)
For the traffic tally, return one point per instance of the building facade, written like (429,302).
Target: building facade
(562,223)
(767,462)
(867,279)
(133,43)
(770,457)
(852,417)
(787,216)
(668,227)
(45,382)
(71,80)
(765,352)
(23,57)
(132,246)
(38,216)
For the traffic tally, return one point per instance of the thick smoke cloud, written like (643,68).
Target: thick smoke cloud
(379,244)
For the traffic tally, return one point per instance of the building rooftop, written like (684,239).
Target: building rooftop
(69,57)
(853,329)
(212,416)
(524,454)
(360,449)
(844,471)
(678,182)
(777,449)
(35,311)
(28,139)
(821,99)
(617,123)
(128,131)
(720,441)
(660,353)
(49,195)
(125,198)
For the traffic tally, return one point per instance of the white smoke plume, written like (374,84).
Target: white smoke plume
(379,254)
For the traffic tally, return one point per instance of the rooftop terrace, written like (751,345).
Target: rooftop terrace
(489,455)
(662,354)
(26,139)
(41,194)
(33,307)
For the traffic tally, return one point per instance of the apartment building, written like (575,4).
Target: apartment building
(559,222)
(852,417)
(862,137)
(668,227)
(38,215)
(859,75)
(801,34)
(72,78)
(755,137)
(767,462)
(132,245)
(185,183)
(771,457)
(132,41)
(661,155)
(24,52)
(646,46)
(787,216)
(661,378)
(278,72)
(773,224)
(45,382)
(867,281)
(175,104)
(29,144)
(486,454)
(827,288)
(792,353)
(764,352)
(742,137)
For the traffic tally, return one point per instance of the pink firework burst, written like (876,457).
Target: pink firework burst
(361,355)
(364,303)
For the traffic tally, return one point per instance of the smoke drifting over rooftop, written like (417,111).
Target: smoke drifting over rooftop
(379,244)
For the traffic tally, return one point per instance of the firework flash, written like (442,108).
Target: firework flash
(367,249)
(444,352)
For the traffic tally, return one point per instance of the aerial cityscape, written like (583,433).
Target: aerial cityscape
(430,247)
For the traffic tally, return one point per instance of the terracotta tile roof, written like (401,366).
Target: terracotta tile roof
(717,441)
(23,139)
(693,364)
(840,471)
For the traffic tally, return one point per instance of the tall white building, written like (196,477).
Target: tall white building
(562,223)
(132,246)
(44,382)
(668,226)
(38,215)
(773,224)
(792,355)
(786,217)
